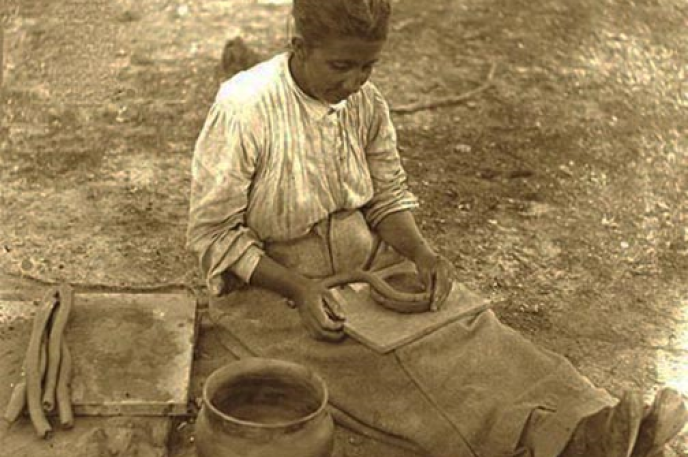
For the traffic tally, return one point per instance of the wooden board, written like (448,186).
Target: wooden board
(383,330)
(132,352)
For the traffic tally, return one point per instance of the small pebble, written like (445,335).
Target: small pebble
(355,441)
(129,16)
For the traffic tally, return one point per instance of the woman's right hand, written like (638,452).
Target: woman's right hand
(320,312)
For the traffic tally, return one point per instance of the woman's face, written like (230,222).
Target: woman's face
(337,68)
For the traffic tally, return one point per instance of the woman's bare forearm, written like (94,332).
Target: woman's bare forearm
(270,275)
(400,231)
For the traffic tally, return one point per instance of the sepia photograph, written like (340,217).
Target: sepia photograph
(344,228)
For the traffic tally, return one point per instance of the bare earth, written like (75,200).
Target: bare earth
(561,192)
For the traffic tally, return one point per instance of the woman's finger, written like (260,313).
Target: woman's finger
(443,283)
(317,310)
(334,306)
(318,332)
(441,293)
(434,293)
(331,336)
(426,278)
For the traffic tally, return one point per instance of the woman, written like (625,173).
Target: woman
(296,176)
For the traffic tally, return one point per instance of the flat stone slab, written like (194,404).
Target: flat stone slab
(132,353)
(384,330)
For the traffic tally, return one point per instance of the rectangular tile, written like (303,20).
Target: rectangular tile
(384,330)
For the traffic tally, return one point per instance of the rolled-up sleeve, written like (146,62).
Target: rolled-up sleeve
(390,188)
(223,166)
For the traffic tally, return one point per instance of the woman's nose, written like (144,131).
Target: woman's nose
(356,80)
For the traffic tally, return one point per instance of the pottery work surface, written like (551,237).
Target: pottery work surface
(384,330)
(132,352)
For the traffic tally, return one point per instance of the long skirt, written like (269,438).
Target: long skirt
(475,387)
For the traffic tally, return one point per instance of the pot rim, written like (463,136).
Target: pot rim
(247,362)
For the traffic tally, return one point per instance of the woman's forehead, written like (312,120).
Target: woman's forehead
(350,48)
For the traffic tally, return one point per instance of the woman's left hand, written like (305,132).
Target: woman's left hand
(437,274)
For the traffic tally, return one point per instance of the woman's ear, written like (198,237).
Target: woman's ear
(298,47)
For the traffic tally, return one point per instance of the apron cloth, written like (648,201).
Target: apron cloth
(473,388)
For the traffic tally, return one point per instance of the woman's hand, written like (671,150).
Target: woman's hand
(400,231)
(437,274)
(320,312)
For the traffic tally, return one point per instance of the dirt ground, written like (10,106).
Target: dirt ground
(561,192)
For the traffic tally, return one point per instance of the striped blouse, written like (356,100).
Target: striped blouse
(271,162)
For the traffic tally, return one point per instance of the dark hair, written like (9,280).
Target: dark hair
(318,20)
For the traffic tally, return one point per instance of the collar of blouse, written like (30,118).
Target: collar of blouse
(316,108)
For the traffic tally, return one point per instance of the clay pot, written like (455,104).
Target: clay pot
(264,408)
